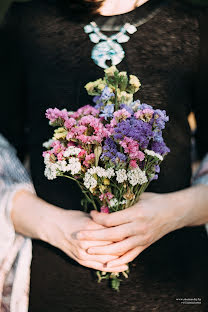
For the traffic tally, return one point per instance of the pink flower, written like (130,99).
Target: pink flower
(145,114)
(69,123)
(85,110)
(82,154)
(104,209)
(57,147)
(133,163)
(120,115)
(107,195)
(60,155)
(54,113)
(131,147)
(89,159)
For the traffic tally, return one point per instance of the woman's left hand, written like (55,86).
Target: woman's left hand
(135,228)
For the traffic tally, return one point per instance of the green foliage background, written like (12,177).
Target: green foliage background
(4,5)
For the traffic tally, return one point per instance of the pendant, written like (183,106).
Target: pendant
(107,50)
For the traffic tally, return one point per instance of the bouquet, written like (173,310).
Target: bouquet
(112,150)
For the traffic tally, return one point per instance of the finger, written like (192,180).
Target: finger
(117,248)
(114,218)
(87,244)
(127,257)
(83,255)
(94,264)
(117,233)
(98,266)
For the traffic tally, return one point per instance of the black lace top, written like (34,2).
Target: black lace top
(45,63)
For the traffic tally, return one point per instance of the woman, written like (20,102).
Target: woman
(53,63)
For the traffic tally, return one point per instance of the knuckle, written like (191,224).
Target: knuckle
(80,254)
(144,229)
(83,245)
(107,222)
(146,239)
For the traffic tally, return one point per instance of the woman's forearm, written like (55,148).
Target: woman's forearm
(190,206)
(32,216)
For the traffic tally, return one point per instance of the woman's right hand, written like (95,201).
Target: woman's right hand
(38,219)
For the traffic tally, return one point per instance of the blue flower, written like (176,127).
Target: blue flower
(107,111)
(106,94)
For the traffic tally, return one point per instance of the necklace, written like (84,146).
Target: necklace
(108,48)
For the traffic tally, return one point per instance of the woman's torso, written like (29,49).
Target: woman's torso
(163,53)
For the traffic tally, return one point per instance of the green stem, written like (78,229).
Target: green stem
(82,189)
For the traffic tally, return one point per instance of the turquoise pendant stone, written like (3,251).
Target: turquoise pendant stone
(107,51)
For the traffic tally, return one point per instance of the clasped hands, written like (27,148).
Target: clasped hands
(121,236)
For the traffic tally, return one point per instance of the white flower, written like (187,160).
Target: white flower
(153,154)
(50,172)
(71,151)
(48,143)
(123,202)
(50,169)
(89,181)
(113,202)
(101,172)
(136,176)
(74,165)
(61,165)
(121,175)
(110,173)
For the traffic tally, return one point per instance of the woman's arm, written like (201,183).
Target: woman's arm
(155,215)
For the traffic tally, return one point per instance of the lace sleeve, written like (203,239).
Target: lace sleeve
(201,175)
(15,249)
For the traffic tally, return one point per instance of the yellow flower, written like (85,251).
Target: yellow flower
(60,133)
(110,70)
(123,74)
(129,195)
(134,81)
(124,97)
(101,86)
(94,87)
(106,181)
(102,188)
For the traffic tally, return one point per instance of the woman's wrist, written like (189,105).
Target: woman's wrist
(32,216)
(188,207)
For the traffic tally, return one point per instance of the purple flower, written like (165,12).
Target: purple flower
(145,106)
(138,130)
(104,97)
(111,152)
(157,136)
(160,148)
(128,108)
(157,169)
(160,118)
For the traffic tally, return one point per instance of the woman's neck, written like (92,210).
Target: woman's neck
(116,7)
